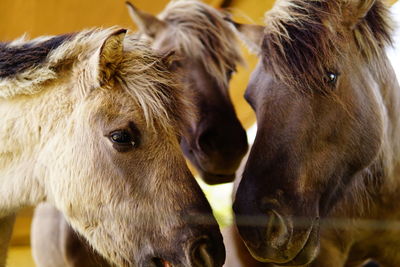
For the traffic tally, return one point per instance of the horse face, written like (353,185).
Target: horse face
(307,152)
(311,147)
(215,141)
(142,195)
(121,181)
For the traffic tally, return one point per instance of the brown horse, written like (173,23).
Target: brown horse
(90,123)
(207,53)
(321,185)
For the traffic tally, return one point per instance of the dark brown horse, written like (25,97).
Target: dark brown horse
(321,185)
(207,53)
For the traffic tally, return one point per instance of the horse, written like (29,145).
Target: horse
(90,123)
(208,52)
(215,141)
(321,184)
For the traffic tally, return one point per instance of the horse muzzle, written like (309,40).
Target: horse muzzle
(279,240)
(202,252)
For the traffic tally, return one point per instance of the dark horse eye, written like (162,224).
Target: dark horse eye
(122,137)
(332,78)
(229,73)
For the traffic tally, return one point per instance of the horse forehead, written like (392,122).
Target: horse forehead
(165,41)
(259,81)
(114,103)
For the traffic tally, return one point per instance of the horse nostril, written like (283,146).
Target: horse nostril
(277,230)
(201,254)
(158,262)
(206,140)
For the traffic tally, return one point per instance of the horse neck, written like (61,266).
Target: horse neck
(25,126)
(374,189)
(381,180)
(388,164)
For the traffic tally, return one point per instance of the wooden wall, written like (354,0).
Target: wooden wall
(41,17)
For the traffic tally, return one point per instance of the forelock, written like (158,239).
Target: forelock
(201,31)
(145,76)
(305,39)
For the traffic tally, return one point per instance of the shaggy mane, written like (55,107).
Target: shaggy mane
(142,73)
(304,39)
(16,59)
(201,31)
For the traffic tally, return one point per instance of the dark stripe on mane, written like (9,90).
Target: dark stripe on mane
(17,59)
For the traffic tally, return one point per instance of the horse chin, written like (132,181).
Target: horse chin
(213,179)
(209,177)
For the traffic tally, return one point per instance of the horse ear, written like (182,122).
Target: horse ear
(146,22)
(252,35)
(359,9)
(110,55)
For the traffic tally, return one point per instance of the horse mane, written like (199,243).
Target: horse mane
(142,73)
(18,58)
(303,39)
(146,77)
(201,31)
(27,65)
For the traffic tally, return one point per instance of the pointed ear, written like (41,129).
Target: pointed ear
(146,22)
(358,10)
(110,56)
(252,35)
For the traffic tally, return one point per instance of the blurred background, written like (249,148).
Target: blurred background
(51,17)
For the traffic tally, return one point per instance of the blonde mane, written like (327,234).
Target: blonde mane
(305,39)
(142,73)
(202,32)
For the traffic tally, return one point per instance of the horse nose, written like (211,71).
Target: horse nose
(204,252)
(261,229)
(207,140)
(277,231)
(229,142)
(262,224)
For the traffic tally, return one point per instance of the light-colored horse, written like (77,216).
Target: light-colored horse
(215,141)
(90,123)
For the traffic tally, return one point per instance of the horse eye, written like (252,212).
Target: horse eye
(229,73)
(122,137)
(331,78)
